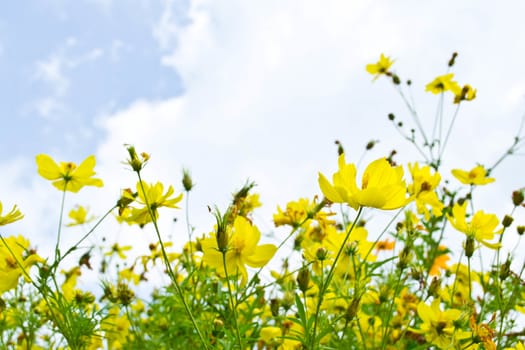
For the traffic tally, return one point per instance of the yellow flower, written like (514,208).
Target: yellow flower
(153,195)
(67,176)
(424,189)
(270,335)
(382,186)
(119,250)
(440,262)
(444,83)
(466,94)
(79,216)
(381,67)
(242,250)
(476,176)
(12,216)
(482,227)
(438,326)
(357,247)
(519,346)
(15,260)
(299,211)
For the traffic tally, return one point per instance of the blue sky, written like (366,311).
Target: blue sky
(65,62)
(236,89)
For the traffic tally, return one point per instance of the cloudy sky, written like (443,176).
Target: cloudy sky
(237,90)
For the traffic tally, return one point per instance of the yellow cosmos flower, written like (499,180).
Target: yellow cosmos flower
(438,326)
(12,216)
(423,188)
(467,94)
(242,250)
(382,186)
(444,83)
(66,176)
(79,216)
(482,227)
(476,176)
(519,346)
(118,250)
(381,67)
(15,259)
(154,196)
(297,212)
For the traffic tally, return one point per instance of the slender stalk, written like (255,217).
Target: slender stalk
(57,246)
(326,283)
(390,310)
(233,304)
(168,265)
(75,246)
(449,131)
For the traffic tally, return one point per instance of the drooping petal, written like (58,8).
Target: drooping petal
(47,167)
(261,255)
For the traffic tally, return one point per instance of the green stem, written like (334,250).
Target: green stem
(390,310)
(57,246)
(232,301)
(168,265)
(326,283)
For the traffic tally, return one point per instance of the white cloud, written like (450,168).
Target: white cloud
(269,88)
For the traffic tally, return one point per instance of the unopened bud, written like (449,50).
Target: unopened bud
(404,258)
(187,182)
(321,253)
(433,289)
(391,116)
(134,161)
(452,59)
(396,80)
(352,309)
(370,145)
(340,149)
(505,270)
(274,307)
(222,230)
(469,247)
(521,230)
(517,198)
(303,279)
(507,221)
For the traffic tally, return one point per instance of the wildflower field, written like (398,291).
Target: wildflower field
(437,276)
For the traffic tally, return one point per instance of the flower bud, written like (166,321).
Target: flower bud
(340,149)
(187,182)
(469,247)
(396,80)
(452,59)
(274,307)
(404,258)
(521,230)
(517,197)
(433,289)
(370,144)
(321,253)
(507,221)
(303,279)
(504,271)
(391,116)
(352,309)
(134,161)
